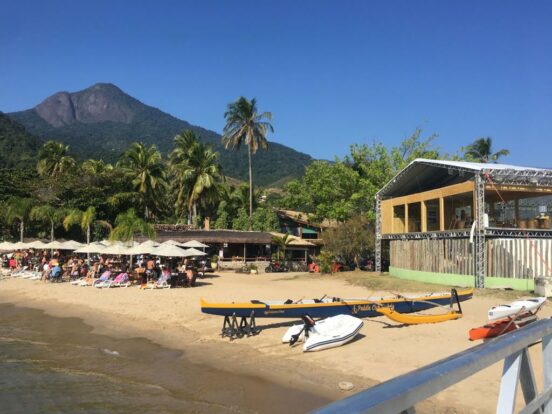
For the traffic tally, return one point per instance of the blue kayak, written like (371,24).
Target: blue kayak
(332,306)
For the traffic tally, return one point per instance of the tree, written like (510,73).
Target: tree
(198,174)
(265,219)
(128,224)
(244,125)
(282,242)
(145,167)
(350,240)
(53,160)
(482,151)
(19,208)
(49,214)
(84,219)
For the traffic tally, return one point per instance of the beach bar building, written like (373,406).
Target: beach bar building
(463,223)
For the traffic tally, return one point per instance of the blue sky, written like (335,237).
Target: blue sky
(332,73)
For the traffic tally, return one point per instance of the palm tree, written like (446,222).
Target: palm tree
(145,167)
(49,214)
(244,125)
(19,208)
(53,160)
(96,167)
(198,173)
(84,219)
(282,242)
(128,224)
(481,151)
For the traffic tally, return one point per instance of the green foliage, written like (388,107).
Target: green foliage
(481,150)
(282,242)
(326,259)
(346,187)
(49,215)
(223,216)
(128,225)
(18,148)
(350,240)
(54,161)
(144,165)
(198,175)
(244,125)
(265,219)
(241,221)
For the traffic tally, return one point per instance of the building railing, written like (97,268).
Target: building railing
(400,394)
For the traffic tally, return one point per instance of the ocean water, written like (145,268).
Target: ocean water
(56,365)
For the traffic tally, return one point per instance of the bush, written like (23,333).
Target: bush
(326,258)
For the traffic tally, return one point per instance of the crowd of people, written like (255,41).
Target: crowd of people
(56,266)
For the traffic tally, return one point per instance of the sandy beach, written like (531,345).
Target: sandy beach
(172,318)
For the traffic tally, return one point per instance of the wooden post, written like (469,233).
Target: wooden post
(244,252)
(516,208)
(424,216)
(441,214)
(406,228)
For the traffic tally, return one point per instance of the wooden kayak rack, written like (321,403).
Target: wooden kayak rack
(247,326)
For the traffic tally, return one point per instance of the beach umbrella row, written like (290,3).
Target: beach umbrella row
(37,244)
(169,248)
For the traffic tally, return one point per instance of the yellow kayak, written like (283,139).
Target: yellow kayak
(410,319)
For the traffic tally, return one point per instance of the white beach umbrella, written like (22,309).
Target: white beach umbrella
(6,246)
(169,250)
(148,247)
(196,244)
(55,245)
(194,252)
(72,245)
(117,249)
(37,244)
(19,246)
(95,247)
(172,243)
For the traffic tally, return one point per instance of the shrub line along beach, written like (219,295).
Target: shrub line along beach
(172,318)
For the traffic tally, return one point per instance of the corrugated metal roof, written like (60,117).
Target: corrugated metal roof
(425,174)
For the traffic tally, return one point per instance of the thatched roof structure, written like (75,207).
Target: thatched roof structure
(213,236)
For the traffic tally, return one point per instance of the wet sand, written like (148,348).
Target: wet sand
(52,364)
(172,318)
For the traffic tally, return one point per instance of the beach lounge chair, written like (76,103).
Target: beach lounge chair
(161,283)
(120,281)
(99,283)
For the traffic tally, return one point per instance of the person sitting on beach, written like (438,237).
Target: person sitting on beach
(45,272)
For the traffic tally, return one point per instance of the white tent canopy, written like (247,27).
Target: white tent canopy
(195,243)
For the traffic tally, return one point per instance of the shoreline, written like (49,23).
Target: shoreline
(172,318)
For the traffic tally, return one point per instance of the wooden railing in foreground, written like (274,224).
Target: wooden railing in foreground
(400,394)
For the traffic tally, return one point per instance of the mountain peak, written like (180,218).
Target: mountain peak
(102,102)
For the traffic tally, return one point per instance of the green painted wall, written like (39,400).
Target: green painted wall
(461,280)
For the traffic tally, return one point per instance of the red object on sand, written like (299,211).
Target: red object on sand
(500,327)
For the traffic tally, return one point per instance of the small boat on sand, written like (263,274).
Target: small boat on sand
(501,326)
(411,319)
(527,305)
(325,334)
(332,306)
